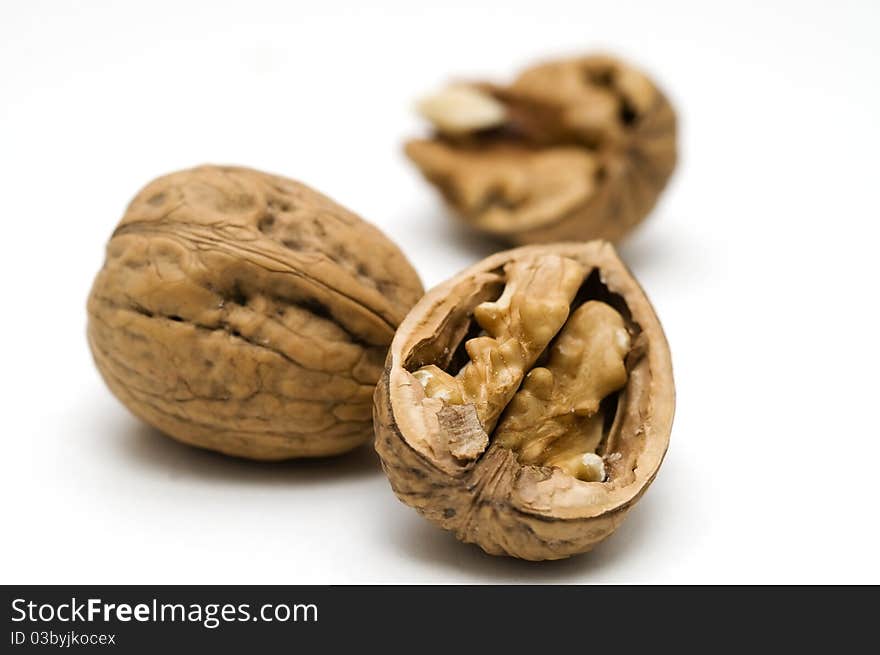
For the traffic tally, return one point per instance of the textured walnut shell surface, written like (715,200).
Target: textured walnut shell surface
(247,313)
(588,147)
(530,512)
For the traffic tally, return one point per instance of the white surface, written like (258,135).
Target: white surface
(761,261)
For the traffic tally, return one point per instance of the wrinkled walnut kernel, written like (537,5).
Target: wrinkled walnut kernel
(518,327)
(554,420)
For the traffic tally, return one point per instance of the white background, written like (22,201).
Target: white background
(761,261)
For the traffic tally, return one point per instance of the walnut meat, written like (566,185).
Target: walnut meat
(527,403)
(247,313)
(573,149)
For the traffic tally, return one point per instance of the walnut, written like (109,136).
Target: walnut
(247,313)
(527,403)
(573,149)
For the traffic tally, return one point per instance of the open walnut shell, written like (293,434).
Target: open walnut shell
(527,403)
(247,313)
(574,149)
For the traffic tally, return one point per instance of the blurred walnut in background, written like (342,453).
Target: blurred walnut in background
(247,313)
(575,149)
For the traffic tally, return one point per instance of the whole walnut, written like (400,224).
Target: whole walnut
(247,313)
(527,402)
(575,149)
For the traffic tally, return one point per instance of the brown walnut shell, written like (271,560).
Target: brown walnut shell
(247,313)
(577,149)
(494,357)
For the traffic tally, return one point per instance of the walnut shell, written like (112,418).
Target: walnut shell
(574,149)
(527,403)
(247,313)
